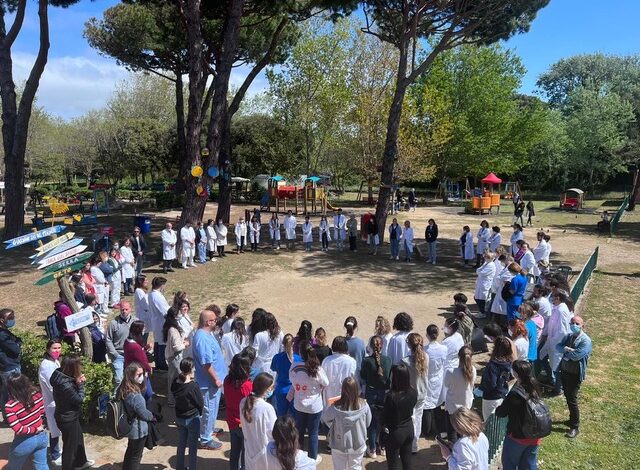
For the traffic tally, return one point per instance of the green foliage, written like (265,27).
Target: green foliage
(168,200)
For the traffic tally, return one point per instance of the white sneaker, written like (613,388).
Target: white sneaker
(57,462)
(318,459)
(87,464)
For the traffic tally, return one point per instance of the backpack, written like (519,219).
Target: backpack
(118,421)
(536,419)
(51,327)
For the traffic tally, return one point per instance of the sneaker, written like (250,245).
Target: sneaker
(211,445)
(57,462)
(381,452)
(572,433)
(318,459)
(370,454)
(87,464)
(217,431)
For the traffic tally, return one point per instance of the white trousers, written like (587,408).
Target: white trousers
(346,460)
(416,417)
(489,407)
(116,289)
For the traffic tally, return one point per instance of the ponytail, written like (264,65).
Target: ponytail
(376,346)
(287,343)
(350,325)
(416,345)
(261,384)
(186,368)
(466,363)
(310,358)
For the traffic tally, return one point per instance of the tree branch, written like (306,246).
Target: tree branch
(11,36)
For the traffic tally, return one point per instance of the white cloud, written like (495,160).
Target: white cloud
(71,86)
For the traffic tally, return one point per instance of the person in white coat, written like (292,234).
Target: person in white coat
(466,245)
(257,418)
(254,233)
(128,266)
(169,240)
(240,231)
(158,307)
(436,362)
(49,364)
(407,241)
(141,302)
(101,285)
(558,329)
(483,241)
(307,233)
(234,341)
(212,239)
(471,450)
(221,237)
(290,223)
(323,231)
(528,260)
(517,234)
(540,254)
(499,305)
(339,229)
(495,239)
(188,237)
(267,342)
(484,281)
(338,366)
(274,231)
(459,387)
(284,448)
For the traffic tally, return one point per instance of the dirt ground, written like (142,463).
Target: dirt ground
(325,287)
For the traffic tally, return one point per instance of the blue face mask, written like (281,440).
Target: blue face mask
(11,323)
(575,328)
(268,394)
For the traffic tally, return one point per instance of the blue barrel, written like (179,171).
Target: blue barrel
(143,222)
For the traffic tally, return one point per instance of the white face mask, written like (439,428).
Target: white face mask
(447,330)
(140,379)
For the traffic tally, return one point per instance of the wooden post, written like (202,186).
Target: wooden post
(84,334)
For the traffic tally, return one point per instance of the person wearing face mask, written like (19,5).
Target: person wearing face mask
(557,331)
(135,351)
(117,334)
(98,339)
(257,418)
(576,349)
(10,353)
(49,364)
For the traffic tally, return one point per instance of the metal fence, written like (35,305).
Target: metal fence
(613,225)
(495,429)
(585,275)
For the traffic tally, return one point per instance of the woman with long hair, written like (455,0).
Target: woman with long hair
(417,363)
(267,342)
(50,362)
(281,364)
(131,392)
(308,379)
(257,418)
(338,366)
(68,393)
(174,350)
(382,328)
(453,340)
(459,383)
(520,337)
(375,373)
(471,450)
(237,385)
(183,309)
(348,419)
(235,340)
(305,333)
(25,415)
(230,314)
(397,417)
(356,346)
(496,376)
(283,452)
(518,451)
(436,361)
(189,406)
(135,351)
(398,348)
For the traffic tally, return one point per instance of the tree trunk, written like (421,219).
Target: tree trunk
(85,336)
(184,163)
(224,185)
(635,191)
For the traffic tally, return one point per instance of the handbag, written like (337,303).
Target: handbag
(506,293)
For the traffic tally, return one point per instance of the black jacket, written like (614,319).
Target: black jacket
(189,401)
(431,233)
(134,245)
(10,350)
(513,406)
(495,378)
(68,397)
(398,408)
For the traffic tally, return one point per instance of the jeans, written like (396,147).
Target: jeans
(54,447)
(432,252)
(158,356)
(282,405)
(240,244)
(34,445)
(571,386)
(399,445)
(73,452)
(346,460)
(236,459)
(518,457)
(395,248)
(429,423)
(4,396)
(310,422)
(375,399)
(209,413)
(307,246)
(133,454)
(118,369)
(188,431)
(202,252)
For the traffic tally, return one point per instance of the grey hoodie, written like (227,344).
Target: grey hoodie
(347,429)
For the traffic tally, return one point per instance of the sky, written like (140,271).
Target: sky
(77,79)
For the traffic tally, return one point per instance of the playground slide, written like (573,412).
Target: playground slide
(331,208)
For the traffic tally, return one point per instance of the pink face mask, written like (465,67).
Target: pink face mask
(54,355)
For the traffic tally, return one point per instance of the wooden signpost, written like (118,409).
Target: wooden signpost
(35,236)
(82,259)
(59,249)
(52,244)
(60,256)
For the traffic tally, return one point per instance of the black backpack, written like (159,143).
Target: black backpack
(536,420)
(51,326)
(118,421)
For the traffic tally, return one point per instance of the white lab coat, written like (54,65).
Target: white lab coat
(556,332)
(540,252)
(47,366)
(266,348)
(257,433)
(324,228)
(495,240)
(407,237)
(483,239)
(158,307)
(499,306)
(453,344)
(240,231)
(141,305)
(254,232)
(101,290)
(437,355)
(467,247)
(337,367)
(528,262)
(339,227)
(398,348)
(212,238)
(485,273)
(188,237)
(221,234)
(290,223)
(169,240)
(307,232)
(515,236)
(544,309)
(302,461)
(128,262)
(469,454)
(274,229)
(231,346)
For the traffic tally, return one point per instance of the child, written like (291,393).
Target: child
(463,315)
(307,233)
(230,314)
(274,231)
(459,385)
(338,366)
(189,406)
(257,418)
(254,233)
(237,386)
(407,236)
(320,344)
(466,245)
(373,239)
(241,235)
(281,364)
(325,238)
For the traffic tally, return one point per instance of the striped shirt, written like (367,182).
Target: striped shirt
(25,421)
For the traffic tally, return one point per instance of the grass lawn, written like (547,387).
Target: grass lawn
(609,405)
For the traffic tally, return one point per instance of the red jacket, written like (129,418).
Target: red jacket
(232,397)
(133,352)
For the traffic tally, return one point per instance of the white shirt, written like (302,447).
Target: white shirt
(266,348)
(290,223)
(469,455)
(337,367)
(307,232)
(257,433)
(221,234)
(437,354)
(528,261)
(515,236)
(483,239)
(307,390)
(453,344)
(398,347)
(522,348)
(544,309)
(141,306)
(230,345)
(128,262)
(158,307)
(485,273)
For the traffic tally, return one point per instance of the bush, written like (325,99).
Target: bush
(99,376)
(168,200)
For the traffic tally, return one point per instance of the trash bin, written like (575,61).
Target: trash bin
(143,222)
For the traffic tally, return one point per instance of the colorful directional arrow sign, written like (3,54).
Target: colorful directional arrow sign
(69,262)
(59,249)
(57,275)
(60,256)
(52,244)
(32,237)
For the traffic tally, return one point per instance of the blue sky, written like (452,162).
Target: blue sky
(77,79)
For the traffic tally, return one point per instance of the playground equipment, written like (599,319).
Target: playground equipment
(488,191)
(311,197)
(511,188)
(572,199)
(452,190)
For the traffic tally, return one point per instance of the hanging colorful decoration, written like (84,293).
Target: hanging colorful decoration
(199,189)
(212,171)
(196,171)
